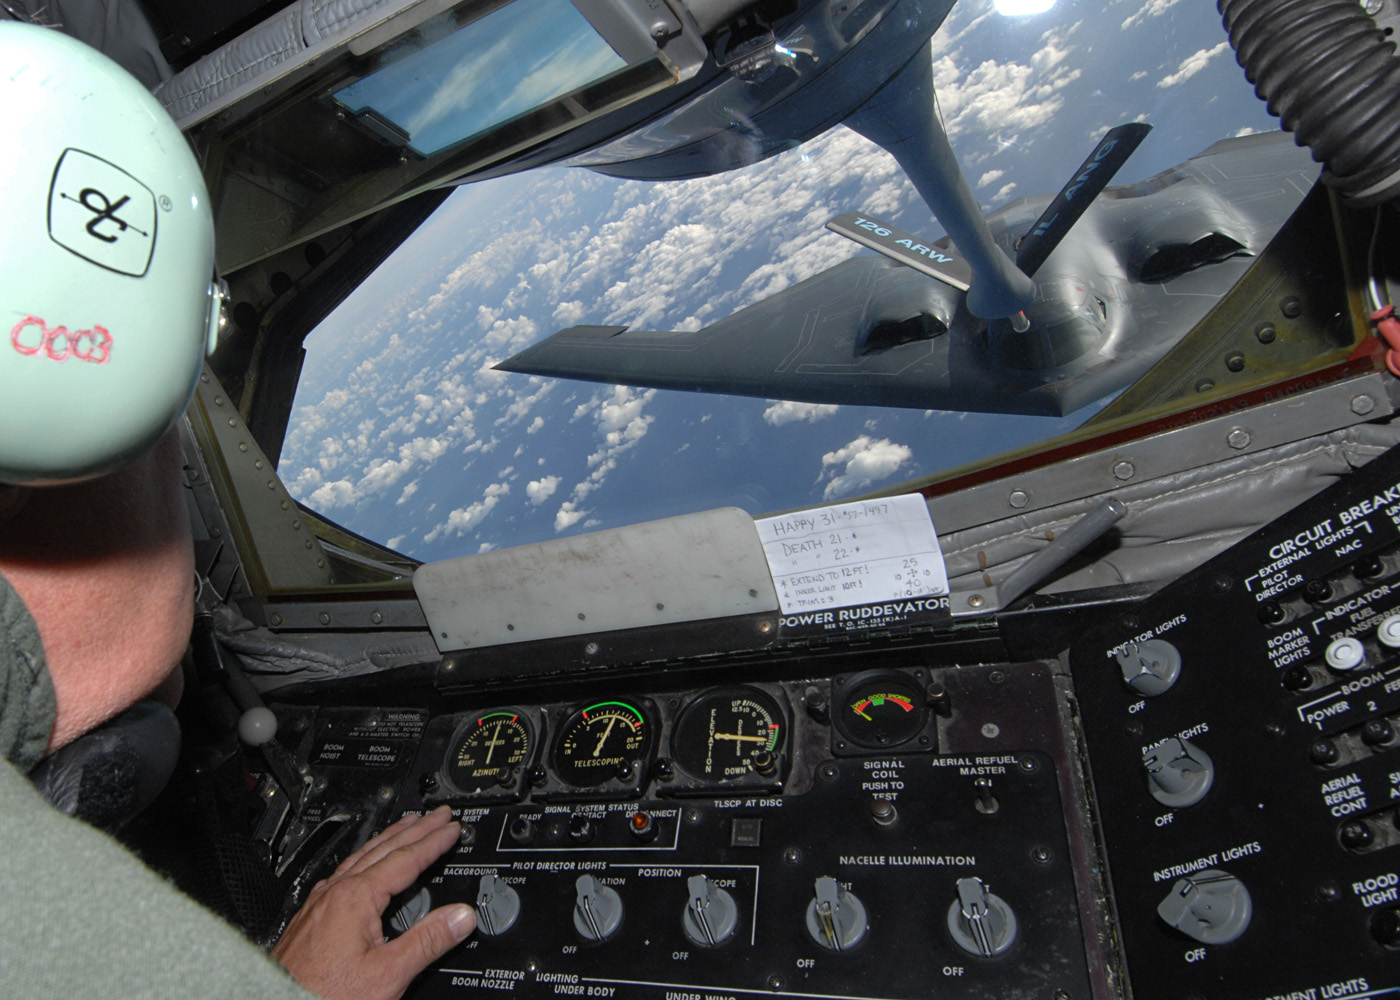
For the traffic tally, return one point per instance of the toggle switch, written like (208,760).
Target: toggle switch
(1211,907)
(710,915)
(980,921)
(835,918)
(497,906)
(1178,773)
(1150,668)
(597,909)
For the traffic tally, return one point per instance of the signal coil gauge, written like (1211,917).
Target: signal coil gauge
(488,752)
(729,734)
(608,740)
(882,710)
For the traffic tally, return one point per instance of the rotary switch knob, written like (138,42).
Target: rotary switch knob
(597,909)
(1150,668)
(497,906)
(1178,773)
(835,918)
(1211,906)
(980,921)
(710,915)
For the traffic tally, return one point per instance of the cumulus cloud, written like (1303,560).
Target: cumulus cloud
(1152,8)
(540,490)
(1192,65)
(861,463)
(464,519)
(787,411)
(568,515)
(330,495)
(568,313)
(990,177)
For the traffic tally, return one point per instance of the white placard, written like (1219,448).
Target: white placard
(854,553)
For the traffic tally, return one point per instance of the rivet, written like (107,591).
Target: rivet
(1018,498)
(1234,361)
(591,649)
(1238,439)
(232,422)
(218,400)
(765,627)
(308,543)
(286,504)
(324,618)
(1291,307)
(296,525)
(272,484)
(1205,385)
(320,564)
(204,378)
(991,730)
(376,617)
(1362,405)
(1124,471)
(976,601)
(258,464)
(1265,333)
(242,445)
(276,619)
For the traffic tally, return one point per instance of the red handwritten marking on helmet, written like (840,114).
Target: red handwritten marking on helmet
(59,343)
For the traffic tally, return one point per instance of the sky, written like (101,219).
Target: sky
(402,431)
(513,59)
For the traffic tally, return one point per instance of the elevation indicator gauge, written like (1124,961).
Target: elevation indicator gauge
(881,709)
(487,751)
(609,739)
(728,734)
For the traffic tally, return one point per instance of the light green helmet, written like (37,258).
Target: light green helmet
(107,303)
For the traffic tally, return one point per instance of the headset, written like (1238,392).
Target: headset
(108,295)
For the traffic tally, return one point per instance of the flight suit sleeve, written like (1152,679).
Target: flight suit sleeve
(27,704)
(80,916)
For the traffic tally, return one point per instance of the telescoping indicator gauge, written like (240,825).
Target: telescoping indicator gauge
(881,709)
(487,751)
(728,734)
(601,741)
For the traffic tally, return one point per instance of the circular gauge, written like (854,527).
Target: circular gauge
(600,742)
(720,734)
(486,749)
(881,709)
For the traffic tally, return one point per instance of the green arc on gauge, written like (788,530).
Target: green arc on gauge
(619,704)
(879,699)
(481,720)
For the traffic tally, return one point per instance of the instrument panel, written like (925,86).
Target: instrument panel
(873,832)
(1196,803)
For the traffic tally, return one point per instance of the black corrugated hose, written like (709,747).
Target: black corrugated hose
(1332,78)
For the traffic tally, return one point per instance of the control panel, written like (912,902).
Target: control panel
(1242,735)
(890,831)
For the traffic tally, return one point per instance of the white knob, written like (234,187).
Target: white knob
(1346,653)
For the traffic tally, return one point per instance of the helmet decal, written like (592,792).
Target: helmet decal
(101,213)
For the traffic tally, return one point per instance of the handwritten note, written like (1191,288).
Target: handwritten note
(854,553)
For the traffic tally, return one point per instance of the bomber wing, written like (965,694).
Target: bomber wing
(1145,263)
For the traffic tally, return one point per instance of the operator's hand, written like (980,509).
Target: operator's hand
(335,944)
